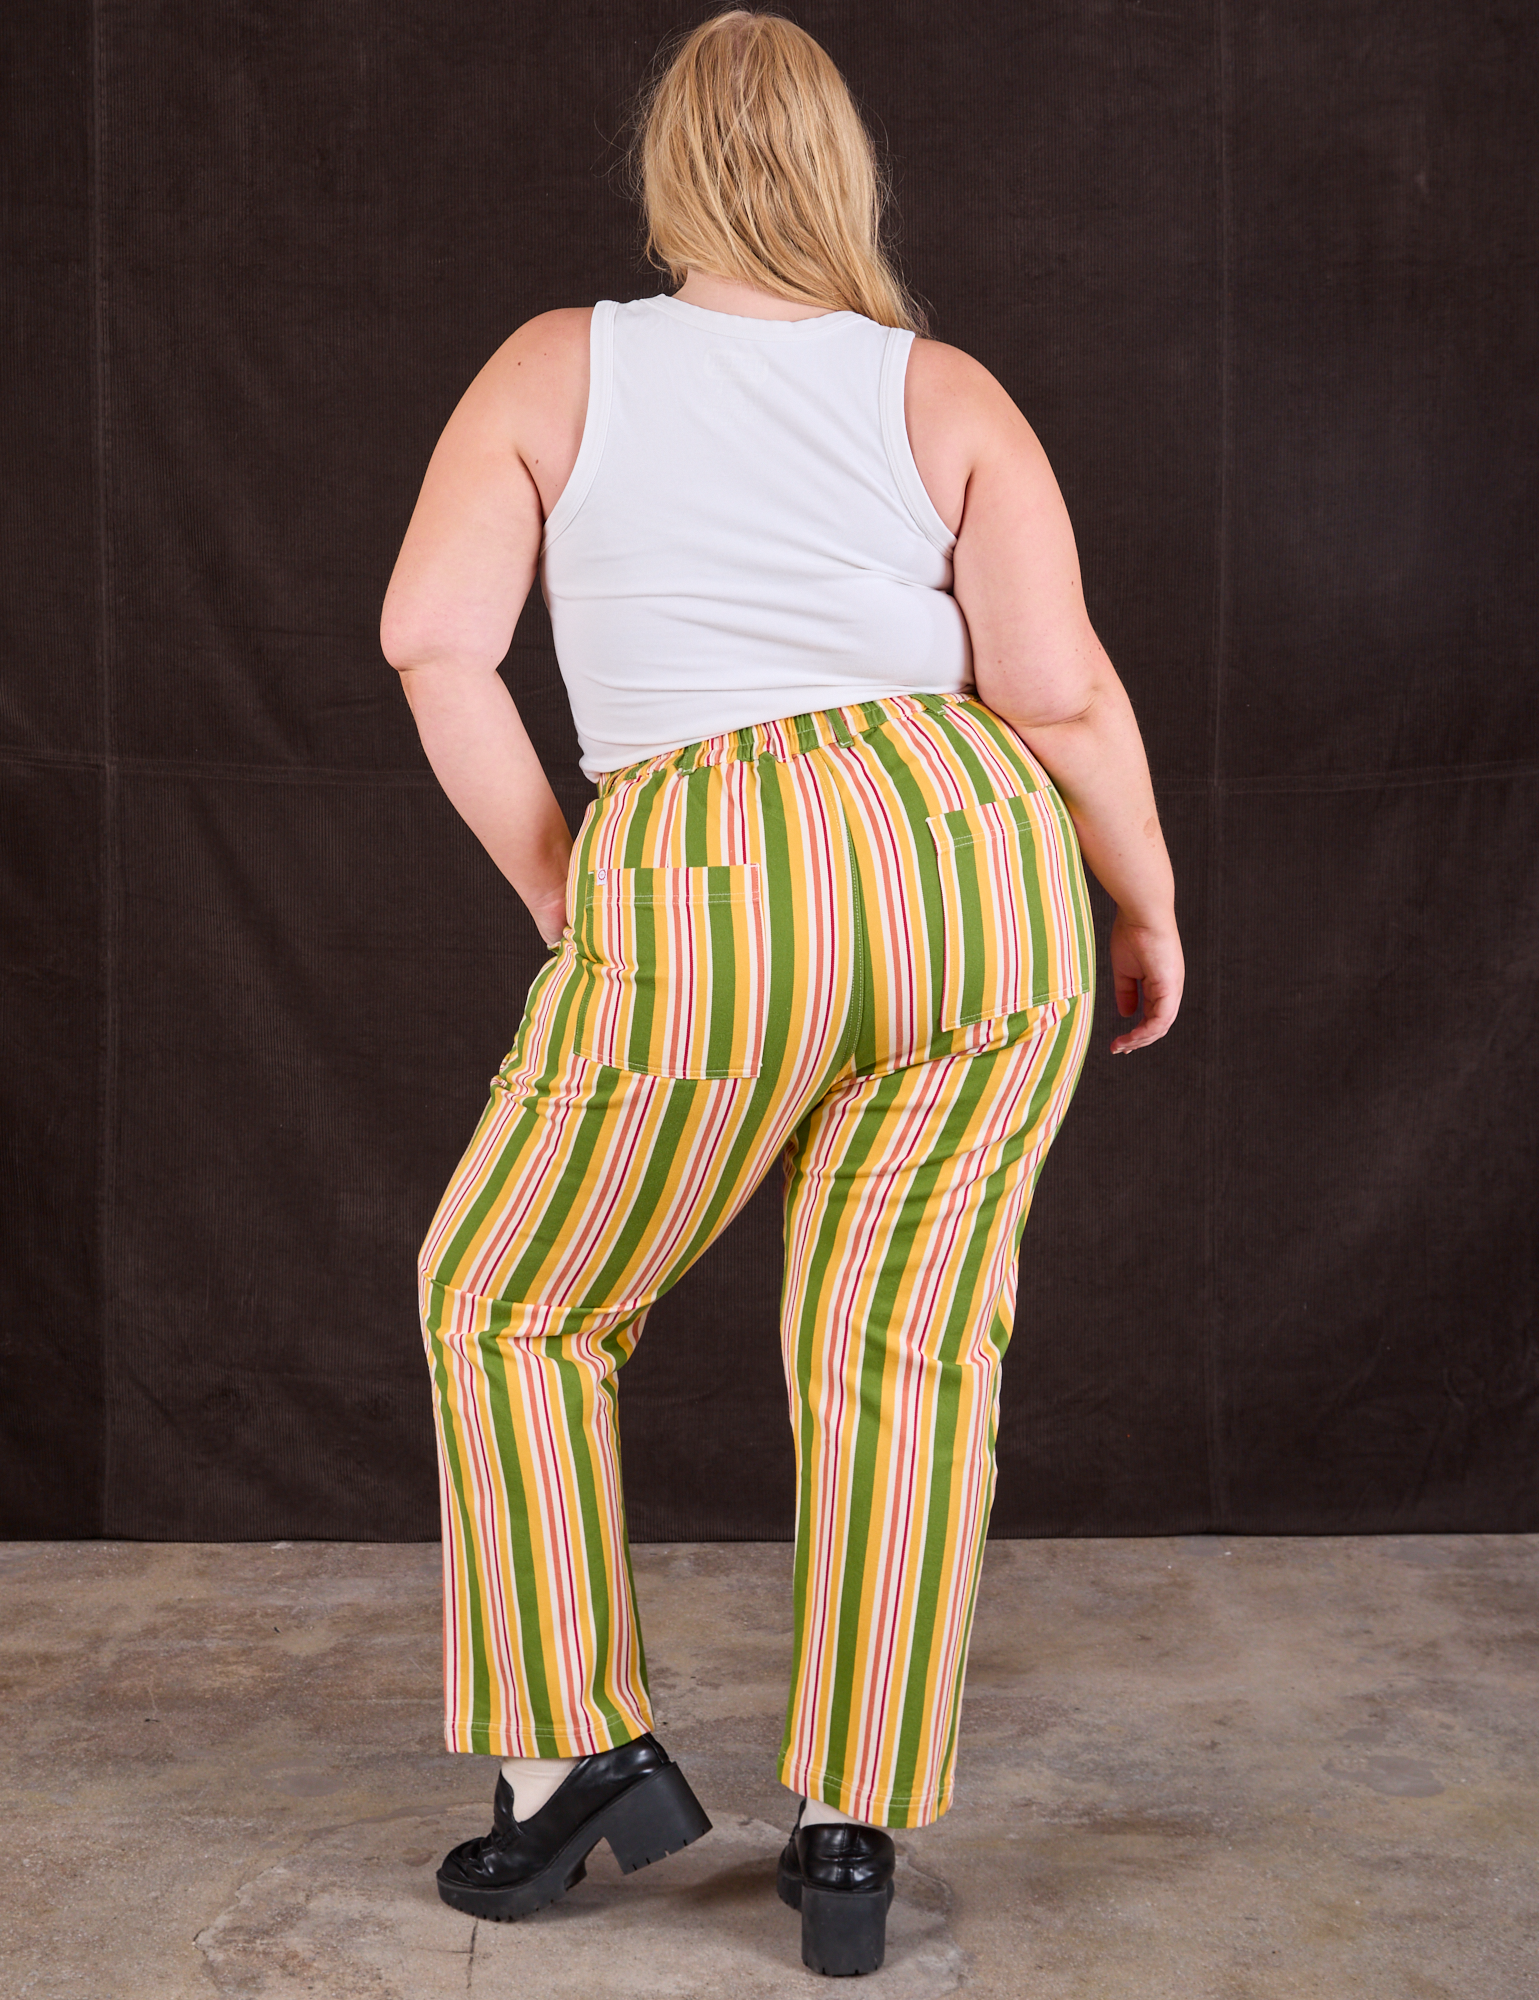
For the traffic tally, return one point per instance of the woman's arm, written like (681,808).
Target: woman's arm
(460,581)
(1038,663)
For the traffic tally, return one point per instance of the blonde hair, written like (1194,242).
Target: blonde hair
(754,164)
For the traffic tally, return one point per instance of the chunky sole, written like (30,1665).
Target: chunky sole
(656,1817)
(843,1931)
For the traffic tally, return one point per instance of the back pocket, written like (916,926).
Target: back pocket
(1016,925)
(675,960)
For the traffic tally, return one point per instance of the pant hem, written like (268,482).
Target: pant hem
(543,1740)
(864,1802)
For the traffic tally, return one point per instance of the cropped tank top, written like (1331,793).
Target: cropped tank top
(745,535)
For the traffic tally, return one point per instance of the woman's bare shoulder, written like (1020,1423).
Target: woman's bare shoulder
(556,332)
(959,418)
(531,398)
(946,369)
(947,386)
(543,360)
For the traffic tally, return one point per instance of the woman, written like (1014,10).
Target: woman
(816,601)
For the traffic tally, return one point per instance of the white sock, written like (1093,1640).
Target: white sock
(817,1814)
(533,1779)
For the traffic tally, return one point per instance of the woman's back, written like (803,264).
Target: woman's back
(745,534)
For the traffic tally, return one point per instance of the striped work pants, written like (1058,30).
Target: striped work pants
(856,942)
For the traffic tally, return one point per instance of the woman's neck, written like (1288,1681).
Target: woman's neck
(730,295)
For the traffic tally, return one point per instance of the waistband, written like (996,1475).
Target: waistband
(791,736)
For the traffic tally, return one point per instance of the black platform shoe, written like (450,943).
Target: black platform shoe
(633,1797)
(840,1878)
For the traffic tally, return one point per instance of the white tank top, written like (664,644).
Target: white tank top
(745,535)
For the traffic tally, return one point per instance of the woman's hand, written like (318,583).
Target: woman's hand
(1147,964)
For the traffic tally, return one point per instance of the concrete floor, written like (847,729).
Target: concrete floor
(1191,1770)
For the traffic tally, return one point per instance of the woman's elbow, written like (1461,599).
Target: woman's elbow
(412,641)
(1042,701)
(405,636)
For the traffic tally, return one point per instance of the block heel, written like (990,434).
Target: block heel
(634,1796)
(840,1877)
(653,1819)
(844,1931)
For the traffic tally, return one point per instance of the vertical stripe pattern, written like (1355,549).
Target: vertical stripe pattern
(857,942)
(675,966)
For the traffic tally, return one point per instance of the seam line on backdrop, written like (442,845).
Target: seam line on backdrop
(1380,781)
(343,774)
(1216,1098)
(108,843)
(252,774)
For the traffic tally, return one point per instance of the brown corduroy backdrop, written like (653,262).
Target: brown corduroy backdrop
(1262,278)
